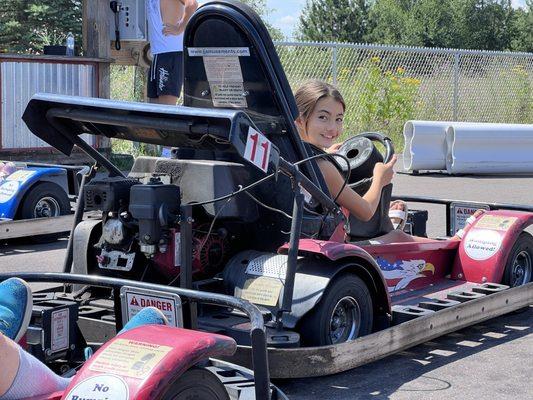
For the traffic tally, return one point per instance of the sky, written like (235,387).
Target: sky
(284,14)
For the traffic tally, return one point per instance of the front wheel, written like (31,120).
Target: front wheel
(195,384)
(344,313)
(519,266)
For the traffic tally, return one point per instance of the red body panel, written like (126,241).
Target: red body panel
(413,265)
(144,361)
(486,245)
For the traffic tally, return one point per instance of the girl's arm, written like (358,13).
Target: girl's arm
(363,207)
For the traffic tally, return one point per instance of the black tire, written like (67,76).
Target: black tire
(196,384)
(326,323)
(45,199)
(519,266)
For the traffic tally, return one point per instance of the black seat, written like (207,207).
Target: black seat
(230,62)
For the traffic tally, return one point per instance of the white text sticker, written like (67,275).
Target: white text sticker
(100,387)
(60,331)
(481,244)
(257,149)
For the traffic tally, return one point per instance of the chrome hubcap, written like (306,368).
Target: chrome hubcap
(46,207)
(522,269)
(345,320)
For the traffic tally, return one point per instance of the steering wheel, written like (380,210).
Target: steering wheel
(363,155)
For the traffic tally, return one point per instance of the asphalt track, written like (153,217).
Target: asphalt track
(493,360)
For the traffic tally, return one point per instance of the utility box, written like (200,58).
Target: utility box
(130,17)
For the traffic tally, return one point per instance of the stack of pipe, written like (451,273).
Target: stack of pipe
(468,147)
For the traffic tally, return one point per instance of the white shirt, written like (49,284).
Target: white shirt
(160,43)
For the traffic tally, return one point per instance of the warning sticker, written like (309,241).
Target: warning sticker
(136,301)
(262,290)
(60,330)
(496,222)
(460,213)
(100,387)
(130,358)
(228,94)
(7,190)
(218,51)
(481,244)
(223,69)
(20,175)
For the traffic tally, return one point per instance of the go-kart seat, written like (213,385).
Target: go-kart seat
(380,223)
(238,68)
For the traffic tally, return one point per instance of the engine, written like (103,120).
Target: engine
(141,231)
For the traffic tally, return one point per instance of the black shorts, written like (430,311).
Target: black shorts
(166,75)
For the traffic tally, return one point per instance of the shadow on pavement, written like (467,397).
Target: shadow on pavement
(395,374)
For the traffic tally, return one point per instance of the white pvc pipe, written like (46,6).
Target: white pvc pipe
(481,148)
(424,145)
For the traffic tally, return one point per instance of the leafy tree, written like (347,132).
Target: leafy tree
(334,20)
(522,29)
(486,24)
(260,8)
(28,25)
(388,21)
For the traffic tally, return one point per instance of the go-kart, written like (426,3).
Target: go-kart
(241,208)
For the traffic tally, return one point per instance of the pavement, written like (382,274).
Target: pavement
(493,360)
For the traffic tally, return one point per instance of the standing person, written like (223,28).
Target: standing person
(166,23)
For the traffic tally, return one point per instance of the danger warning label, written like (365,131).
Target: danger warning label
(134,300)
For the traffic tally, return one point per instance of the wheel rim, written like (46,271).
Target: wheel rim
(522,269)
(46,207)
(345,320)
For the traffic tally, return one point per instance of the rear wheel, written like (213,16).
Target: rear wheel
(197,384)
(344,313)
(519,266)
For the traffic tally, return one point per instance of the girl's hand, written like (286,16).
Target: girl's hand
(169,29)
(383,173)
(334,148)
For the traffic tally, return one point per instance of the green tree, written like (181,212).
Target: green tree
(28,25)
(260,8)
(334,20)
(486,24)
(522,29)
(388,20)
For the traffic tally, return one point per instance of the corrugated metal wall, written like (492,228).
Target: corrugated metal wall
(21,80)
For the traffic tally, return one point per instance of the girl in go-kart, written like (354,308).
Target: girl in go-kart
(320,123)
(22,375)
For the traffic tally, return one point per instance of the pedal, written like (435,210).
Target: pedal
(490,288)
(464,296)
(438,304)
(401,314)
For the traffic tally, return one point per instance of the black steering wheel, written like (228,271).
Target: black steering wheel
(363,155)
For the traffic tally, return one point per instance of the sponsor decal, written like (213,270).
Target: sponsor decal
(8,189)
(495,222)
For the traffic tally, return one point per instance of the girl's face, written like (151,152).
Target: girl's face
(324,124)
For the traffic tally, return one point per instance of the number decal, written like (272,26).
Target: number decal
(257,149)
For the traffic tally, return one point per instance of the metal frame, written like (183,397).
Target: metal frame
(257,330)
(448,203)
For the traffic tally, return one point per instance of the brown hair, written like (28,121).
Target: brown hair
(311,92)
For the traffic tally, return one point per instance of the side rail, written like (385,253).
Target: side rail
(257,330)
(327,360)
(458,210)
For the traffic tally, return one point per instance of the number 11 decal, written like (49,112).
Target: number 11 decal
(257,149)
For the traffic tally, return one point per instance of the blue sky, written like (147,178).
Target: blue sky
(284,14)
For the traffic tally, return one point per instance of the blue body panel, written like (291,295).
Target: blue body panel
(14,187)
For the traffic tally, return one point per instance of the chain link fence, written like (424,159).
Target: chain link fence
(384,86)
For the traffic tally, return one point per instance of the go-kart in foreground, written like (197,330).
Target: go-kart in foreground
(242,209)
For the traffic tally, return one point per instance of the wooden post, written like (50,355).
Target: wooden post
(96,43)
